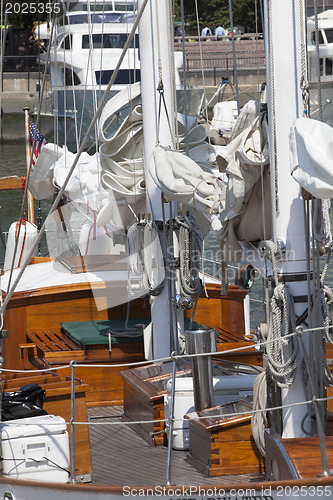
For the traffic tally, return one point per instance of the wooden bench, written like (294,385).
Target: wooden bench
(23,376)
(296,457)
(58,402)
(49,348)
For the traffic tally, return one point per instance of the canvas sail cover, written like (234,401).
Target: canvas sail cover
(237,200)
(311,156)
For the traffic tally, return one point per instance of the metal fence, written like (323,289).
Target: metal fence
(224,61)
(19,64)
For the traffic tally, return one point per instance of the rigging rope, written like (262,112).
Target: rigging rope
(184,66)
(272,123)
(318,69)
(205,100)
(282,353)
(92,69)
(304,84)
(25,195)
(190,249)
(173,97)
(321,223)
(234,54)
(259,420)
(145,256)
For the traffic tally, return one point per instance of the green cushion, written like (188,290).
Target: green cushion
(97,332)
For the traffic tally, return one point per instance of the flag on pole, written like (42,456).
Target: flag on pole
(39,143)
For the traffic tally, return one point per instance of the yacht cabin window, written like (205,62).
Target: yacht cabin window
(328,67)
(67,42)
(95,18)
(70,77)
(313,37)
(329,35)
(108,41)
(125,6)
(124,76)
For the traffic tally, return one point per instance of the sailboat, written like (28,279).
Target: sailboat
(223,460)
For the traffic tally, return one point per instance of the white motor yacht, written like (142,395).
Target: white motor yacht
(320,65)
(88,38)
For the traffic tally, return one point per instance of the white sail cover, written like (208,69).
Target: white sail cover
(224,116)
(182,179)
(311,156)
(41,179)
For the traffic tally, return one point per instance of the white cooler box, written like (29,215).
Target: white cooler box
(227,389)
(36,448)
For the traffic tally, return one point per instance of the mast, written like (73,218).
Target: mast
(283,42)
(157,67)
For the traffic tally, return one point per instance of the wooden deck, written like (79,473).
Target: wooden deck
(121,457)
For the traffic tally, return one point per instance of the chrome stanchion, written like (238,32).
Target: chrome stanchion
(171,418)
(72,364)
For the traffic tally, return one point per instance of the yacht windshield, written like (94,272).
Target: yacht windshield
(105,6)
(108,41)
(109,17)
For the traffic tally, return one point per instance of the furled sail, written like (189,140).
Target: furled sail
(246,201)
(236,200)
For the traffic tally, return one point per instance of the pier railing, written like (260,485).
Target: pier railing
(214,59)
(20,64)
(20,73)
(224,60)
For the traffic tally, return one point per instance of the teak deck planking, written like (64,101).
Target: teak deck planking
(305,455)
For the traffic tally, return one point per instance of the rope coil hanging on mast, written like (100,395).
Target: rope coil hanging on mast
(145,257)
(190,243)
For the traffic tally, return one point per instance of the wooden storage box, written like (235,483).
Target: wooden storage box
(144,390)
(145,387)
(223,445)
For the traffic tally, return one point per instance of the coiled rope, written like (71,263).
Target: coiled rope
(145,256)
(190,246)
(282,353)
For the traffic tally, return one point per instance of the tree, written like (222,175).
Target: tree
(22,14)
(215,12)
